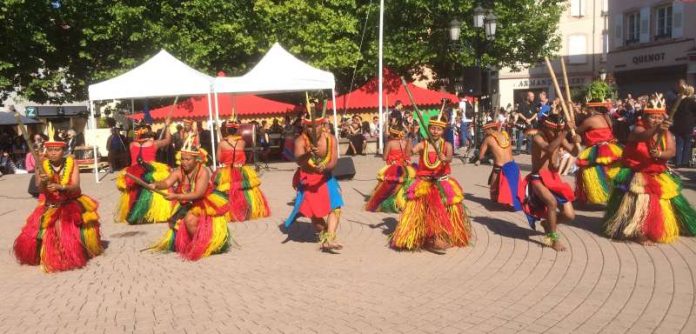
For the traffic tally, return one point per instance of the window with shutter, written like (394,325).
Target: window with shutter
(632,28)
(663,28)
(577,8)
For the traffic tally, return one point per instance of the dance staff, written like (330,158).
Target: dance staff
(646,203)
(505,180)
(198,224)
(599,162)
(547,197)
(138,205)
(240,182)
(395,177)
(434,215)
(62,233)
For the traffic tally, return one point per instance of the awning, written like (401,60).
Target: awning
(244,105)
(8,118)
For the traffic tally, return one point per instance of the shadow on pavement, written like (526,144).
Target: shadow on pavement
(508,229)
(388,225)
(487,203)
(588,223)
(298,232)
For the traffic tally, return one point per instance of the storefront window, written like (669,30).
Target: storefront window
(664,21)
(632,28)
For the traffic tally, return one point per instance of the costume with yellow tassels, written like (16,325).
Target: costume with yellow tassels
(434,212)
(390,193)
(138,205)
(62,233)
(239,182)
(646,203)
(598,163)
(210,211)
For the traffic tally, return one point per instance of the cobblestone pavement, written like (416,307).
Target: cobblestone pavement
(506,282)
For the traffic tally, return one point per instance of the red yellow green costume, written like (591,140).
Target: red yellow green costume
(646,202)
(598,164)
(62,233)
(242,185)
(434,208)
(390,193)
(138,205)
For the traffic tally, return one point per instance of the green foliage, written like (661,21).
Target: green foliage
(599,91)
(54,54)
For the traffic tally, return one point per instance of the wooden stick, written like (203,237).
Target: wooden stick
(560,95)
(169,115)
(144,184)
(420,116)
(571,110)
(27,141)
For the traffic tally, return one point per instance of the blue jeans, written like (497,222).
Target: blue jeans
(464,137)
(683,150)
(518,144)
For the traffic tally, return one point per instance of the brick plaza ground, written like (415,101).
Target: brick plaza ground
(505,283)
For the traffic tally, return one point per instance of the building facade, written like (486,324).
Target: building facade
(652,44)
(584,34)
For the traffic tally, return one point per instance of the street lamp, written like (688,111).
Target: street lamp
(490,25)
(479,16)
(455,30)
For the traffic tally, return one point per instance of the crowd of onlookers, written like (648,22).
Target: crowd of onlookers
(15,156)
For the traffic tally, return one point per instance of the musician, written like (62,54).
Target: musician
(318,193)
(545,191)
(646,203)
(198,223)
(238,181)
(62,233)
(505,179)
(137,205)
(434,215)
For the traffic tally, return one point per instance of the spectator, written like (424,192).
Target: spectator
(275,127)
(117,147)
(526,115)
(71,141)
(544,107)
(683,127)
(464,126)
(265,141)
(374,127)
(355,136)
(396,115)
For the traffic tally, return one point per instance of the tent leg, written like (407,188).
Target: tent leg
(211,128)
(93,125)
(335,120)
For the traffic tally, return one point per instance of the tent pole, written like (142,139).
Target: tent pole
(210,127)
(380,70)
(217,115)
(335,120)
(93,125)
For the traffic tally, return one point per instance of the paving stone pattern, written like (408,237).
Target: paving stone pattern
(271,282)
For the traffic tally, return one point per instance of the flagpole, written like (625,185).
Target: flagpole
(380,74)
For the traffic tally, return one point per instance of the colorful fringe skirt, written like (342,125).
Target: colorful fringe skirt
(61,237)
(598,165)
(390,193)
(317,196)
(242,185)
(138,205)
(648,206)
(434,211)
(211,236)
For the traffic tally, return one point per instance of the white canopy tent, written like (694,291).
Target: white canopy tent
(279,72)
(160,76)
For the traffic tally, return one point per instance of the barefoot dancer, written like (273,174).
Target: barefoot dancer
(505,179)
(544,189)
(646,204)
(318,194)
(240,182)
(138,205)
(599,161)
(198,225)
(434,215)
(63,231)
(395,177)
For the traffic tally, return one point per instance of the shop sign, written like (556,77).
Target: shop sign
(546,82)
(649,58)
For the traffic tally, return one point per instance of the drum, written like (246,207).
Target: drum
(248,133)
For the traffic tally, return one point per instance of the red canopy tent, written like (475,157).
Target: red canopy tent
(366,96)
(244,105)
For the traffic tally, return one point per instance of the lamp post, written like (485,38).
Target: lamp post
(603,74)
(482,19)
